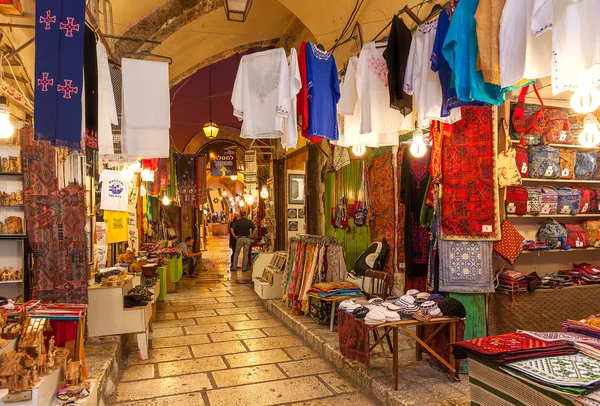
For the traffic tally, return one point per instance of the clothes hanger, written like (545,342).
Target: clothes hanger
(148,53)
(436,9)
(382,43)
(321,47)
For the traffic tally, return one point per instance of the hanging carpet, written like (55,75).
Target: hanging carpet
(186,179)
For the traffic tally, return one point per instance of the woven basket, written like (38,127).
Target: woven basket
(541,310)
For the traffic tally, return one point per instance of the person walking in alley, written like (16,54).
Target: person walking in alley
(242,232)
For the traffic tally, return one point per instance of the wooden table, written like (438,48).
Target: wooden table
(333,300)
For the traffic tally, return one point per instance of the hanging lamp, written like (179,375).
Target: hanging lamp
(210,129)
(237,10)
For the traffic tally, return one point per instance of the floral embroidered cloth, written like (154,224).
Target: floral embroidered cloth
(466,266)
(470,208)
(569,336)
(566,370)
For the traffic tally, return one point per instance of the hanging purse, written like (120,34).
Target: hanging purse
(568,200)
(516,200)
(549,200)
(508,173)
(510,245)
(339,212)
(544,162)
(586,165)
(576,237)
(361,207)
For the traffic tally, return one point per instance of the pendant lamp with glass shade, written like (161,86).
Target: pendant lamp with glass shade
(237,10)
(210,129)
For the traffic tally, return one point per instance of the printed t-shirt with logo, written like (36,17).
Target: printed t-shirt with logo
(114,191)
(116,226)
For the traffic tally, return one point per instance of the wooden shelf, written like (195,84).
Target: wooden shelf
(13,236)
(18,206)
(554,215)
(571,250)
(571,181)
(562,146)
(11,173)
(19,281)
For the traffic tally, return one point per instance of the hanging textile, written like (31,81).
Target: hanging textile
(466,266)
(186,179)
(55,223)
(90,76)
(290,136)
(107,107)
(401,213)
(470,205)
(396,57)
(302,97)
(382,221)
(487,19)
(201,162)
(59,36)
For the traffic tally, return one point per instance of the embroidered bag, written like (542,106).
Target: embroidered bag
(568,158)
(586,165)
(585,202)
(595,201)
(568,200)
(552,234)
(516,200)
(576,237)
(511,244)
(361,206)
(598,166)
(339,212)
(549,200)
(506,164)
(544,162)
(592,229)
(522,159)
(534,200)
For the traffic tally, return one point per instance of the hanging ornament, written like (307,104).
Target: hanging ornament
(250,200)
(241,203)
(418,149)
(136,166)
(127,174)
(590,136)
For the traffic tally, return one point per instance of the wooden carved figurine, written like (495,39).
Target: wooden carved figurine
(19,197)
(14,225)
(25,380)
(5,167)
(13,164)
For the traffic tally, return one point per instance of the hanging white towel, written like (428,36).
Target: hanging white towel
(146,117)
(107,107)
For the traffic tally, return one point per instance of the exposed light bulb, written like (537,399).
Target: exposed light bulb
(359,150)
(241,203)
(590,136)
(250,200)
(127,174)
(418,149)
(233,177)
(165,200)
(6,128)
(264,193)
(143,190)
(585,99)
(147,175)
(136,166)
(224,193)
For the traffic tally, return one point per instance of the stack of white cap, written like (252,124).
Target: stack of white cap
(374,318)
(351,307)
(391,316)
(344,304)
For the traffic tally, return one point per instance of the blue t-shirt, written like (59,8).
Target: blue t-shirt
(323,93)
(461,51)
(440,65)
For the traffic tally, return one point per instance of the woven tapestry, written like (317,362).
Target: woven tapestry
(470,208)
(382,221)
(353,338)
(401,210)
(466,266)
(55,222)
(186,179)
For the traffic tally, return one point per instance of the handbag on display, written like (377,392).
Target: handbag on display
(552,234)
(568,157)
(568,200)
(544,162)
(592,229)
(551,125)
(586,165)
(510,245)
(516,200)
(549,200)
(522,160)
(361,206)
(576,237)
(534,200)
(339,212)
(585,201)
(595,201)
(508,172)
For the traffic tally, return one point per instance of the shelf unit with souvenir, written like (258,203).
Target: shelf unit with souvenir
(577,146)
(574,182)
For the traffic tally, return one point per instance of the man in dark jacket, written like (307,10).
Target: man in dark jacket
(232,240)
(242,231)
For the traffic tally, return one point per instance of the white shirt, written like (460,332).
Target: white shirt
(290,136)
(261,94)
(575,40)
(114,195)
(522,54)
(372,91)
(107,108)
(424,83)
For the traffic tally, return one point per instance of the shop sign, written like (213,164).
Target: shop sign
(223,163)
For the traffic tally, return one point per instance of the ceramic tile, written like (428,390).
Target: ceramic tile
(306,367)
(180,341)
(221,319)
(161,355)
(253,324)
(273,342)
(191,366)
(302,352)
(277,331)
(196,313)
(241,376)
(227,347)
(188,399)
(270,393)
(337,383)
(207,328)
(162,387)
(138,372)
(236,335)
(167,332)
(256,358)
(241,310)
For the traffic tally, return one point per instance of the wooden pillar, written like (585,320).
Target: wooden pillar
(315,190)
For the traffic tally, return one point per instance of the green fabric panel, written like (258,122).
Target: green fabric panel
(162,274)
(474,304)
(175,268)
(354,239)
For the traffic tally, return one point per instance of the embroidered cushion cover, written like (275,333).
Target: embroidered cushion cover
(511,244)
(567,370)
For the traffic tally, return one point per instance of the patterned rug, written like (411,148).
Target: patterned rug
(55,221)
(466,266)
(470,205)
(565,370)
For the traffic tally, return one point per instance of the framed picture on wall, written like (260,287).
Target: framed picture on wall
(295,188)
(292,213)
(300,213)
(292,226)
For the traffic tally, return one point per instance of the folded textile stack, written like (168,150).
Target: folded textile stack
(512,281)
(329,289)
(510,347)
(569,336)
(589,273)
(589,326)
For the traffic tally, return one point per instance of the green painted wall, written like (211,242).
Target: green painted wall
(475,321)
(355,239)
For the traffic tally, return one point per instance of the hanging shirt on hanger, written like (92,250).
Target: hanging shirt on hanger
(396,56)
(290,137)
(461,51)
(323,93)
(261,94)
(575,41)
(421,81)
(522,54)
(116,226)
(115,193)
(372,91)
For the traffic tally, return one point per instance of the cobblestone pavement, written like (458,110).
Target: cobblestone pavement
(215,344)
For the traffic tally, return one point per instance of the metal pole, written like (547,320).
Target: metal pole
(17,25)
(19,49)
(133,39)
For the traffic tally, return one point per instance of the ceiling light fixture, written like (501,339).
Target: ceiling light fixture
(250,200)
(264,193)
(585,99)
(237,10)
(147,175)
(590,136)
(210,129)
(165,200)
(233,177)
(127,174)
(359,150)
(418,149)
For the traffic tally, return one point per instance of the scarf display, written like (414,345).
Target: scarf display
(59,39)
(186,179)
